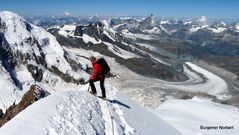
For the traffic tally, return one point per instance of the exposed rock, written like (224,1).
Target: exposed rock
(65,77)
(34,94)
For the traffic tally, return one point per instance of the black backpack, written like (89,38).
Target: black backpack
(104,65)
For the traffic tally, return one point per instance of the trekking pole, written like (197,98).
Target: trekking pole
(88,88)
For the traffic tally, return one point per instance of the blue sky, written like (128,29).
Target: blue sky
(164,8)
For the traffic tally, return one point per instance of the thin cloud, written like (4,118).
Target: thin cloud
(67,13)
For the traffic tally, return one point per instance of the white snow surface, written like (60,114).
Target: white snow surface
(187,22)
(120,52)
(202,20)
(150,92)
(164,29)
(200,80)
(164,22)
(16,34)
(215,84)
(9,93)
(237,27)
(217,29)
(67,30)
(53,50)
(135,36)
(195,28)
(119,25)
(188,115)
(154,30)
(17,31)
(72,111)
(79,113)
(86,38)
(151,48)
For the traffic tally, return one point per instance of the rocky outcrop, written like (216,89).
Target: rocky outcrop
(34,94)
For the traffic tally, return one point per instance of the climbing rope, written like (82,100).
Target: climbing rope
(111,117)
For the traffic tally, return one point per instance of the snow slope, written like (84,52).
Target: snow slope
(9,93)
(120,52)
(29,45)
(67,30)
(78,112)
(18,30)
(128,34)
(188,115)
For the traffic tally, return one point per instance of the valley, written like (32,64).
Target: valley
(166,70)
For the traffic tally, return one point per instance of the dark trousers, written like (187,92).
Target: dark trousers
(102,81)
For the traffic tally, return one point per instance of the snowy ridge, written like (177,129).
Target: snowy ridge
(78,112)
(217,29)
(86,38)
(195,28)
(69,31)
(101,31)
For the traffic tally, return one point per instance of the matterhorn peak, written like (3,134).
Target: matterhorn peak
(149,22)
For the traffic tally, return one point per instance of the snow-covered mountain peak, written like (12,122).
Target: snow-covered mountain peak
(149,22)
(223,23)
(218,27)
(153,20)
(26,47)
(219,24)
(202,19)
(105,23)
(29,53)
(27,38)
(14,27)
(8,14)
(107,27)
(237,26)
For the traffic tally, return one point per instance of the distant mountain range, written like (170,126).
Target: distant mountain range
(189,38)
(152,60)
(200,31)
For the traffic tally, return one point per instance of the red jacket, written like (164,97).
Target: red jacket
(97,71)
